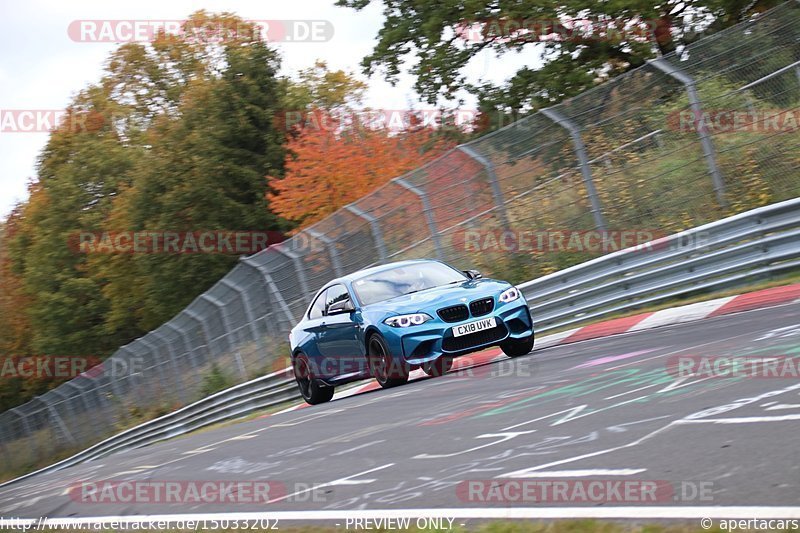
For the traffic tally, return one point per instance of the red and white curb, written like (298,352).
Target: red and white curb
(640,322)
(675,315)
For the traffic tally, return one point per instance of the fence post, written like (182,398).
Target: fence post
(26,427)
(583,160)
(112,380)
(173,359)
(330,244)
(247,305)
(203,326)
(705,139)
(187,345)
(497,192)
(249,314)
(229,327)
(426,208)
(4,439)
(298,266)
(156,363)
(137,378)
(273,288)
(58,421)
(375,227)
(90,414)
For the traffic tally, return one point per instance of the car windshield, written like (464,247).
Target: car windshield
(406,279)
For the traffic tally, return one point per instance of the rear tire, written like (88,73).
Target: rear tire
(517,347)
(311,389)
(382,365)
(438,367)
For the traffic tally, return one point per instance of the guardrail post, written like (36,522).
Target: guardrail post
(229,327)
(273,288)
(330,244)
(705,139)
(375,227)
(583,161)
(426,208)
(497,192)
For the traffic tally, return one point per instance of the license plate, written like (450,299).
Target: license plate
(473,327)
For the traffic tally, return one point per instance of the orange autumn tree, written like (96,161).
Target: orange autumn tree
(333,161)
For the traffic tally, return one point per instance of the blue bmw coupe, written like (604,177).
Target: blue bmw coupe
(388,320)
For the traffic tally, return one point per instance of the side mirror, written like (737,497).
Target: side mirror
(342,306)
(473,274)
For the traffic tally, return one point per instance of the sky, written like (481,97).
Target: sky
(42,67)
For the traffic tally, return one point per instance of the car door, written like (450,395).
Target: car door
(339,339)
(314,327)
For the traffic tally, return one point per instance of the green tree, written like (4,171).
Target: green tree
(204,170)
(177,135)
(429,35)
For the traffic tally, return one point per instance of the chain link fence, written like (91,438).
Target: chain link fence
(683,140)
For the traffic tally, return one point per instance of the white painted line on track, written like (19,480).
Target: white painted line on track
(635,512)
(741,420)
(783,406)
(199,450)
(341,481)
(586,473)
(357,448)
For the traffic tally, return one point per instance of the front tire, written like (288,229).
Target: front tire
(382,365)
(517,347)
(312,390)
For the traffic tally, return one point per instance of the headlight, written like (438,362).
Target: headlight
(509,295)
(404,321)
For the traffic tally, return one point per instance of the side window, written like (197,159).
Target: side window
(318,307)
(335,293)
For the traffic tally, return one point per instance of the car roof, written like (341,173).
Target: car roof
(380,268)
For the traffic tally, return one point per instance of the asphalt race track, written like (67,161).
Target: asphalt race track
(605,409)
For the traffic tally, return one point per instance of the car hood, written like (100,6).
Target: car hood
(432,299)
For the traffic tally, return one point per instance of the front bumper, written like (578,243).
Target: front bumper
(429,341)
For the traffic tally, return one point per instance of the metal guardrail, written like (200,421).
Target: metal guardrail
(229,404)
(762,241)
